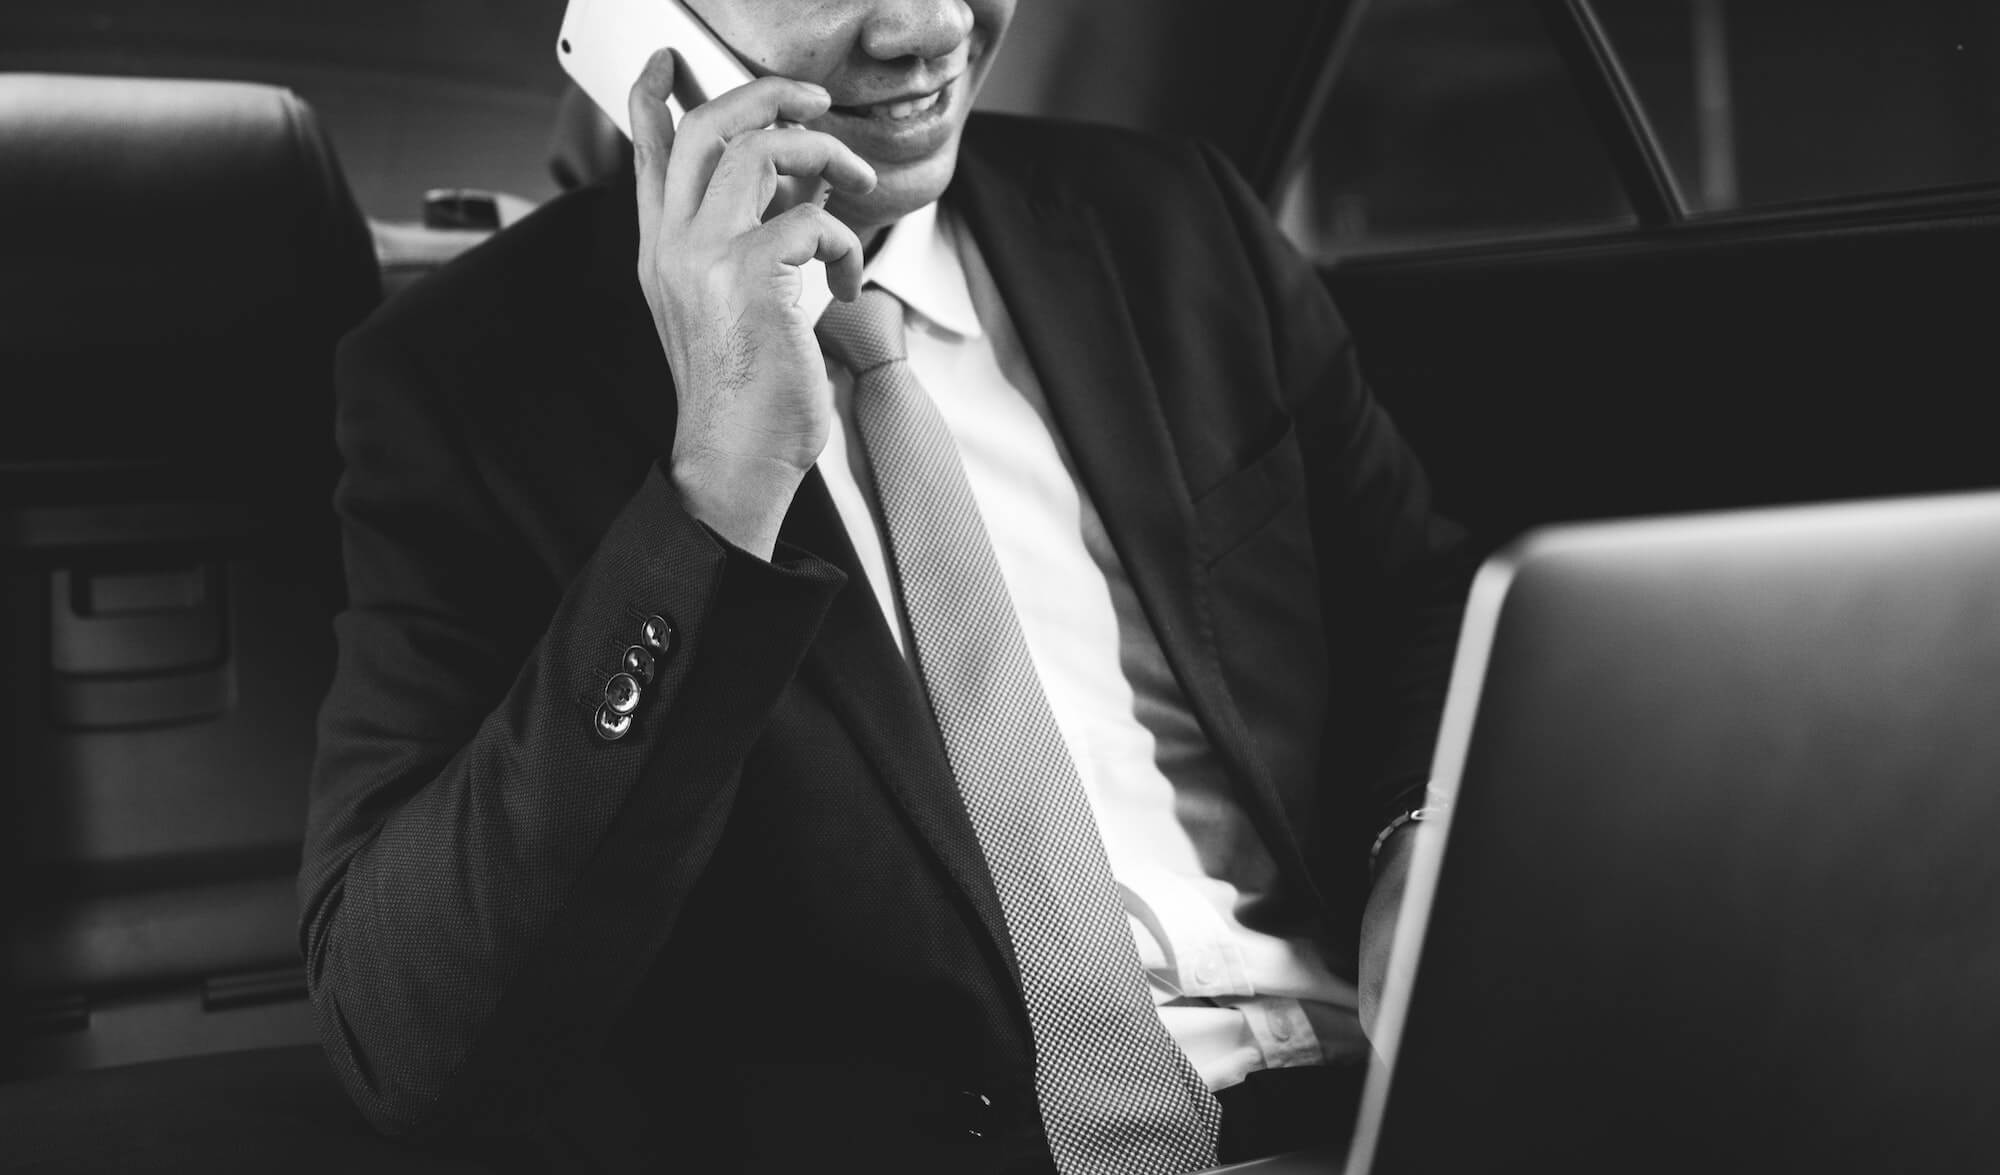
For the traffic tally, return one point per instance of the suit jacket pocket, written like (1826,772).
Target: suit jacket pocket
(1244,502)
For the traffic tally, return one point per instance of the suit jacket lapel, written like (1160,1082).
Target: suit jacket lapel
(1049,260)
(872,686)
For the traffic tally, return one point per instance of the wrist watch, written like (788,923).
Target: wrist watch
(1388,830)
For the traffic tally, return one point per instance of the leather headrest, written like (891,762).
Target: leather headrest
(180,259)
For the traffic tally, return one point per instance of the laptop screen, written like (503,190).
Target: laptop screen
(1718,886)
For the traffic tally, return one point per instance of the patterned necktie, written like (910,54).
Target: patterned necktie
(1116,1092)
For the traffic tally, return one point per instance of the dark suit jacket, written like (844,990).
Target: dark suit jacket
(758,929)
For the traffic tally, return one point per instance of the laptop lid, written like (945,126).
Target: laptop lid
(1719,886)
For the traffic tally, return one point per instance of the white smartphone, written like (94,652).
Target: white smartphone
(604,45)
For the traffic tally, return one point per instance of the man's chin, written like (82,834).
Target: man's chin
(899,191)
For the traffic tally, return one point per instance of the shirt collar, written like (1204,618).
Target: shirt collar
(918,262)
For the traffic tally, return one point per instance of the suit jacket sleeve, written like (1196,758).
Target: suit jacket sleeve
(486,880)
(1403,568)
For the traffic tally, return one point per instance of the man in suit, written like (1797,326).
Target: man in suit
(751,751)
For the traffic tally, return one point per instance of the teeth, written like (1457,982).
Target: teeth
(903,110)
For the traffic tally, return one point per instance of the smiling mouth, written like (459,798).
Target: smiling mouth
(901,111)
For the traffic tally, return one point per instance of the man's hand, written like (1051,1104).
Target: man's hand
(724,285)
(1378,920)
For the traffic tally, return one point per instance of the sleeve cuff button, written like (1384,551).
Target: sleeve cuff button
(612,727)
(658,635)
(639,663)
(621,694)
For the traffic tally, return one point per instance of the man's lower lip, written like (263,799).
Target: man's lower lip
(898,140)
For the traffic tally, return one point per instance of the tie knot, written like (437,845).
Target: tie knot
(865,333)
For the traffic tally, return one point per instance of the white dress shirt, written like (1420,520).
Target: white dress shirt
(1190,867)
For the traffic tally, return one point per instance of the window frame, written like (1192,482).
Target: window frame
(1612,106)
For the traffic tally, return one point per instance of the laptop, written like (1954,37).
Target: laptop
(1718,888)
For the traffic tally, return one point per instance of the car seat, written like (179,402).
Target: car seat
(180,258)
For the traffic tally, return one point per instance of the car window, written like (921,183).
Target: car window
(1449,121)
(1784,101)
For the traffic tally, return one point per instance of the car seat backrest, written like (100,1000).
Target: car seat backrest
(180,258)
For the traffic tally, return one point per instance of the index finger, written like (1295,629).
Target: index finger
(652,137)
